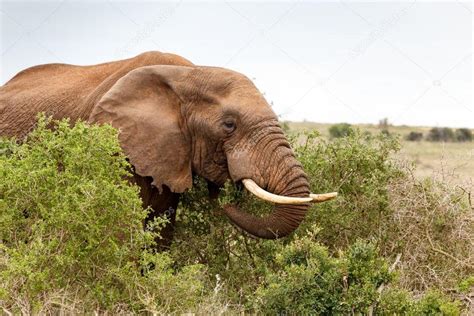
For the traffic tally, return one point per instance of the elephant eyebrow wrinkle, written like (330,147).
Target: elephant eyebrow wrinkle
(225,86)
(230,112)
(209,99)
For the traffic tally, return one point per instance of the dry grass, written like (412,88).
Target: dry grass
(432,223)
(432,159)
(436,223)
(438,159)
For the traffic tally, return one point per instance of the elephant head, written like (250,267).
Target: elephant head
(178,120)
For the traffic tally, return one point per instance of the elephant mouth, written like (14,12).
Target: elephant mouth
(263,194)
(287,213)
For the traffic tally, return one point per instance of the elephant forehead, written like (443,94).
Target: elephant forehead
(234,91)
(222,80)
(249,103)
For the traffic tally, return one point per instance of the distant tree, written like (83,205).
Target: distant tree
(340,130)
(463,135)
(441,134)
(384,124)
(414,136)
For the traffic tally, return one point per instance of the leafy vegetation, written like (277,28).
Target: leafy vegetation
(71,233)
(340,130)
(463,135)
(71,236)
(414,136)
(435,134)
(440,134)
(446,134)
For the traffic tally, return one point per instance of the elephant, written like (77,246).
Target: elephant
(176,120)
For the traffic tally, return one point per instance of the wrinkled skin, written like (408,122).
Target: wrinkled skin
(175,120)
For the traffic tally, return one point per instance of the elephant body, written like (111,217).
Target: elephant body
(63,90)
(69,91)
(175,120)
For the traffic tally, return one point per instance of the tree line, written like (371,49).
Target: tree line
(435,134)
(442,134)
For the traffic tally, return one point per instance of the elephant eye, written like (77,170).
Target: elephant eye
(229,126)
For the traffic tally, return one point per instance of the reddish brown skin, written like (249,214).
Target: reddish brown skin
(175,120)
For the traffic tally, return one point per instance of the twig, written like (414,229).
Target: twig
(254,265)
(468,196)
(442,251)
(6,311)
(395,263)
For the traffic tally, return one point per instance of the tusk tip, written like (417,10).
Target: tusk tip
(318,198)
(267,196)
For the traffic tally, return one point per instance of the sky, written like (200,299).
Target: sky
(332,61)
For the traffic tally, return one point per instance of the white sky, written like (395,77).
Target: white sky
(337,61)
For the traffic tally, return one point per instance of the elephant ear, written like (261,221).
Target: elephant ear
(145,106)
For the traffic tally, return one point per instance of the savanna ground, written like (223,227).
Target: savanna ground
(438,159)
(72,240)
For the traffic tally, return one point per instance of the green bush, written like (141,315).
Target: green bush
(309,281)
(360,168)
(340,130)
(399,302)
(414,136)
(71,237)
(435,303)
(463,135)
(445,134)
(440,134)
(71,229)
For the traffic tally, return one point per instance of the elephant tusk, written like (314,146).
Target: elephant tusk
(318,198)
(278,199)
(270,197)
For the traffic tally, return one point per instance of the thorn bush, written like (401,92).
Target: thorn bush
(72,238)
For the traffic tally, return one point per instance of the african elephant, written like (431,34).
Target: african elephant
(175,120)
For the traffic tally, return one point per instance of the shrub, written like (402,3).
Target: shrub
(384,124)
(71,237)
(395,302)
(360,168)
(463,135)
(308,281)
(429,222)
(432,224)
(399,302)
(435,303)
(385,132)
(71,232)
(441,134)
(374,189)
(340,130)
(414,136)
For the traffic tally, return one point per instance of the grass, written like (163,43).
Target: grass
(436,159)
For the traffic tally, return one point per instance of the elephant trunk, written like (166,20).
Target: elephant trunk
(282,221)
(281,174)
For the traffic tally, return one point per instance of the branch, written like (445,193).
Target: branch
(382,286)
(6,311)
(468,196)
(440,250)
